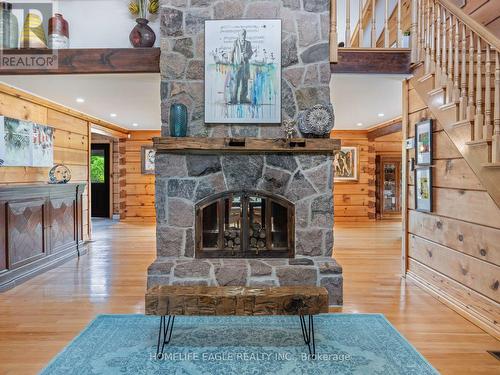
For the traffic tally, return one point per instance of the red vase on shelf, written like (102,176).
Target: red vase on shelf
(58,32)
(142,36)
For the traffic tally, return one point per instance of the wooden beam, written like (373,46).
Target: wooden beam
(246,145)
(371,60)
(81,61)
(386,128)
(108,132)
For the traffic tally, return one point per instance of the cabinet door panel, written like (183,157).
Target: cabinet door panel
(26,240)
(62,232)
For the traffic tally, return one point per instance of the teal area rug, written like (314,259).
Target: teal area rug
(361,344)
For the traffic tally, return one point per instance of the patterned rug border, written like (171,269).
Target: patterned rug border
(100,316)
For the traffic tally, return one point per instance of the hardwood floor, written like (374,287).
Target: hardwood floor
(38,318)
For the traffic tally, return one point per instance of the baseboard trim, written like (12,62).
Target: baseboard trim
(479,320)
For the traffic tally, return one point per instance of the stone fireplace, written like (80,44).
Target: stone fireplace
(238,204)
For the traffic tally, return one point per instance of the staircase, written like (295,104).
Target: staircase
(457,74)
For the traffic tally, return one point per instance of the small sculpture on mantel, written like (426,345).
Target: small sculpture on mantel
(317,121)
(288,127)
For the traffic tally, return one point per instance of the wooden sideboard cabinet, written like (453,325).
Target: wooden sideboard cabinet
(41,226)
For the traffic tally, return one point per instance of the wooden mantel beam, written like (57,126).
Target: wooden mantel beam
(80,61)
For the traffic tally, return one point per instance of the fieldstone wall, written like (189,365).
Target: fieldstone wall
(305,58)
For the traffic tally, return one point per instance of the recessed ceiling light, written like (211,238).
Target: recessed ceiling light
(113,114)
(80,100)
(359,124)
(135,124)
(381,115)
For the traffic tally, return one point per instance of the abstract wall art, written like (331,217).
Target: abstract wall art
(345,164)
(243,71)
(25,144)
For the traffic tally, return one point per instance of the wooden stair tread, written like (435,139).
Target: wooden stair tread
(480,142)
(491,165)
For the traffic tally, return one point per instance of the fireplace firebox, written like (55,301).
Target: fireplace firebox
(245,224)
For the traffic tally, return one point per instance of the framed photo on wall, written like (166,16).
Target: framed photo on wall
(346,164)
(148,160)
(243,71)
(423,142)
(423,189)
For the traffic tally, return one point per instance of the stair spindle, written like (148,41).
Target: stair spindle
(437,70)
(449,82)
(463,77)
(444,68)
(471,110)
(495,145)
(360,24)
(421,40)
(488,126)
(386,25)
(432,41)
(374,30)
(427,36)
(333,32)
(479,117)
(414,31)
(456,86)
(399,32)
(347,23)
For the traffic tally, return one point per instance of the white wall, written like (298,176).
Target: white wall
(98,23)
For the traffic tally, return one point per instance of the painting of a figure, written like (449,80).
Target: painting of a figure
(345,164)
(423,189)
(243,71)
(148,155)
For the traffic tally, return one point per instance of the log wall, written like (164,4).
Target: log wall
(454,251)
(140,188)
(71,143)
(355,201)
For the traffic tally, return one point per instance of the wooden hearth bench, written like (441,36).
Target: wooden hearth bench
(171,301)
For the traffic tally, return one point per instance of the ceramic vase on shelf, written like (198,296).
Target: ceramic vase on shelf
(33,33)
(58,32)
(9,30)
(178,120)
(142,35)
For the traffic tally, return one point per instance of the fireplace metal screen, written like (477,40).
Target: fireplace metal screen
(245,224)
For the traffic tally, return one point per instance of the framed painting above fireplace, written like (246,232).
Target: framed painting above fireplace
(243,71)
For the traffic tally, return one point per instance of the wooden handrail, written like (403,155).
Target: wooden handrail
(472,24)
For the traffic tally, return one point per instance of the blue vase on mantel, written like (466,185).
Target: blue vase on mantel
(178,120)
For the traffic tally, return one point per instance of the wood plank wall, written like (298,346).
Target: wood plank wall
(454,251)
(71,144)
(486,12)
(140,188)
(355,201)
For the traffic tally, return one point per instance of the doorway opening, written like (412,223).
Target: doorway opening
(100,179)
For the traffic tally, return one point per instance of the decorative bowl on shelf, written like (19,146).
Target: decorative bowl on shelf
(59,174)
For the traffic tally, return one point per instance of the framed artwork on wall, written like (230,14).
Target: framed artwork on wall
(243,71)
(346,164)
(423,142)
(25,144)
(423,189)
(148,160)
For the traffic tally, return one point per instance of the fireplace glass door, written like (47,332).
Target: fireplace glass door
(244,225)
